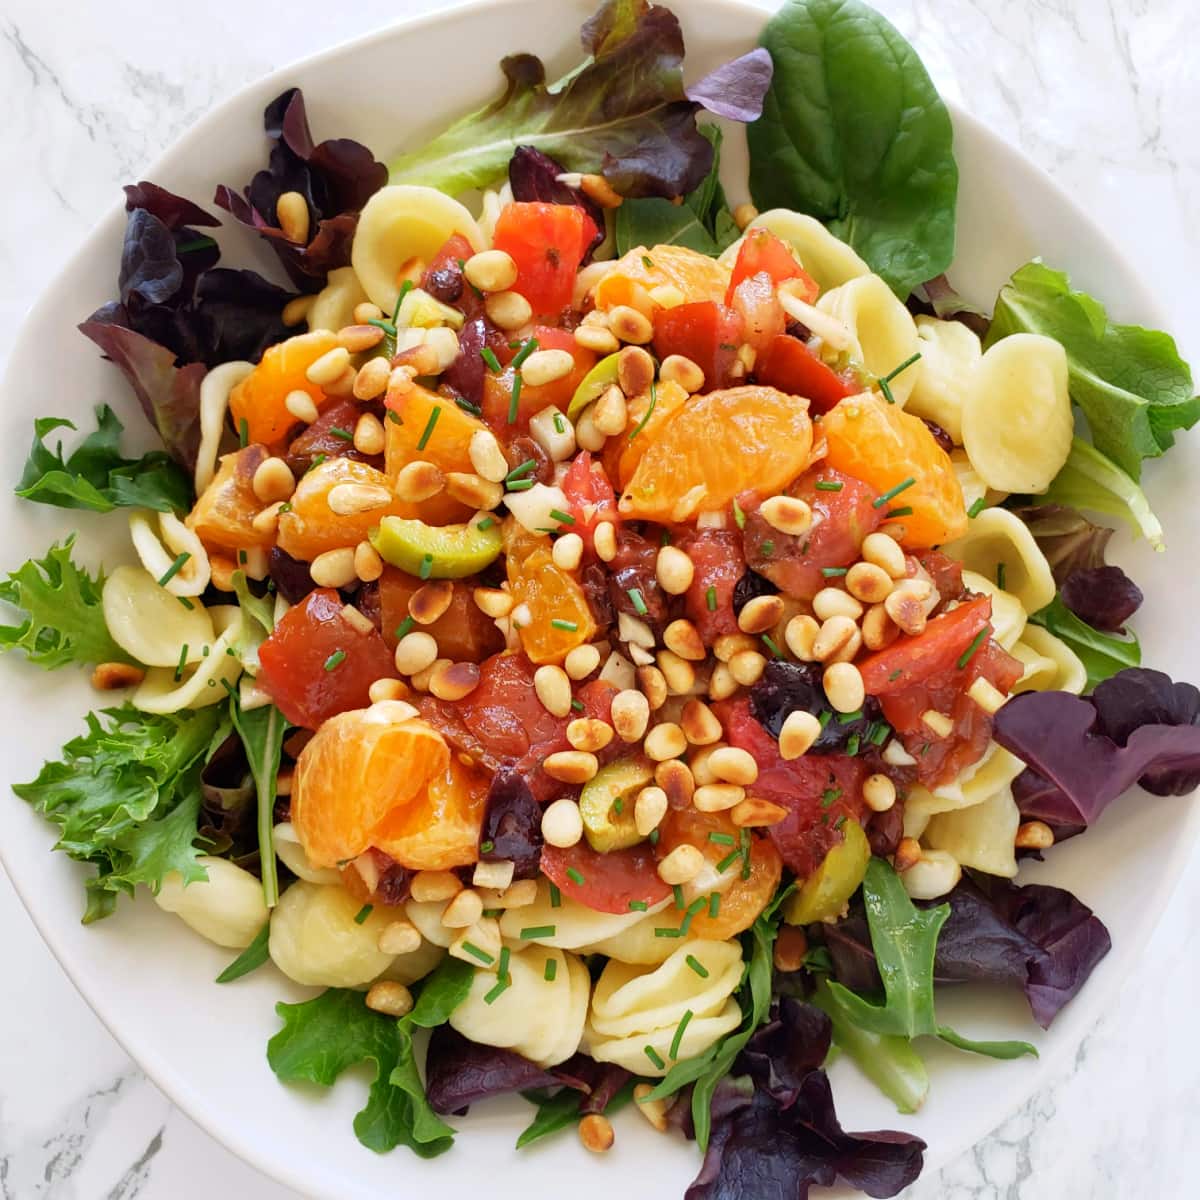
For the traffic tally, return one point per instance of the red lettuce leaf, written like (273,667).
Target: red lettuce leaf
(1066,537)
(736,89)
(781,1054)
(1104,597)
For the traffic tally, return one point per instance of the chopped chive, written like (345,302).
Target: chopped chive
(824,717)
(423,441)
(406,287)
(482,955)
(977,507)
(185,602)
(504,957)
(635,596)
(242,557)
(344,434)
(618,806)
(569,626)
(840,821)
(525,351)
(173,569)
(468,407)
(745,854)
(677,890)
(486,523)
(653,401)
(664,538)
(502,986)
(828,485)
(970,652)
(514,400)
(714,904)
(528,465)
(335,660)
(886,389)
(404,627)
(486,847)
(561,517)
(523,485)
(728,861)
(739,517)
(394,417)
(363,913)
(834,572)
(183,653)
(852,744)
(767,548)
(1000,570)
(880,734)
(668,933)
(697,966)
(654,1056)
(894,675)
(892,493)
(243,433)
(551,970)
(386,326)
(555,897)
(577,704)
(908,362)
(677,1040)
(893,513)
(537,931)
(227,686)
(769,642)
(575,877)
(205,652)
(638,905)
(198,243)
(489,357)
(710,598)
(721,839)
(647,262)
(830,796)
(653,838)
(318,459)
(560,426)
(850,717)
(426,567)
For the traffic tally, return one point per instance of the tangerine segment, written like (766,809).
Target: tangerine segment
(310,526)
(223,514)
(261,398)
(359,767)
(560,618)
(630,282)
(622,454)
(885,447)
(440,828)
(717,446)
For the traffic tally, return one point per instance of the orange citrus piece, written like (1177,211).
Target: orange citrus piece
(622,454)
(551,595)
(260,399)
(360,767)
(884,446)
(717,446)
(630,282)
(223,514)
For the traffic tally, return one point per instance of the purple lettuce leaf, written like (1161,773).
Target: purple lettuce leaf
(336,178)
(1066,537)
(736,89)
(512,823)
(791,1045)
(599,1082)
(1105,597)
(533,175)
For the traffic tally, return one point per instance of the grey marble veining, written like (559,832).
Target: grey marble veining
(1102,93)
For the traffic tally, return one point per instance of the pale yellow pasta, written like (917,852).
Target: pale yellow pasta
(292,854)
(997,539)
(159,549)
(981,837)
(639,943)
(949,354)
(1017,424)
(200,686)
(995,770)
(493,204)
(541,1019)
(333,309)
(408,968)
(633,1006)
(1050,664)
(426,915)
(227,908)
(973,488)
(214,404)
(830,261)
(1008,613)
(150,624)
(882,329)
(400,223)
(574,924)
(315,939)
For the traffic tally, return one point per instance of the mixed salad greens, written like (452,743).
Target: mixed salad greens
(396,634)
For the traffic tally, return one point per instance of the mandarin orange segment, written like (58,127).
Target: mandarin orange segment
(560,618)
(717,446)
(633,278)
(440,828)
(884,446)
(310,526)
(359,767)
(622,454)
(260,399)
(223,514)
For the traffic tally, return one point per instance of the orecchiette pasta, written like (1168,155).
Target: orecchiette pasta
(159,551)
(540,1018)
(884,335)
(161,692)
(639,943)
(227,908)
(403,222)
(999,542)
(495,200)
(408,968)
(828,260)
(333,309)
(292,855)
(1017,424)
(1008,613)
(981,837)
(949,355)
(1050,664)
(150,624)
(634,1007)
(214,403)
(426,915)
(973,488)
(574,924)
(995,770)
(315,939)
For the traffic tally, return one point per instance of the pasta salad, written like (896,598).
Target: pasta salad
(618,647)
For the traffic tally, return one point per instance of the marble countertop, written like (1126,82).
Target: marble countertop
(1101,93)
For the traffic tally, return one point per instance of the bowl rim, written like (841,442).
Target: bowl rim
(176,1085)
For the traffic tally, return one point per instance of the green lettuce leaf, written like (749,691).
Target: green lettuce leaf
(1130,382)
(853,132)
(64,622)
(126,796)
(1102,654)
(97,476)
(250,959)
(262,731)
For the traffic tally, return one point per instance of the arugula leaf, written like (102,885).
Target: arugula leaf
(554,1112)
(904,939)
(1130,382)
(624,111)
(422,1130)
(261,731)
(126,796)
(64,621)
(97,476)
(1102,654)
(1089,480)
(442,991)
(251,958)
(854,133)
(702,222)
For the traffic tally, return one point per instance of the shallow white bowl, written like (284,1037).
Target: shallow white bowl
(150,979)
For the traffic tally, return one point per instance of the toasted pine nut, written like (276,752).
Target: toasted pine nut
(562,823)
(755,812)
(683,638)
(464,910)
(989,697)
(649,809)
(833,602)
(787,514)
(744,214)
(664,741)
(419,481)
(878,629)
(273,480)
(420,681)
(399,937)
(729,644)
(610,413)
(630,715)
(790,948)
(430,601)
(681,866)
(604,539)
(486,456)
(717,797)
(301,406)
(631,326)
(553,689)
(596,1133)
(675,778)
(266,521)
(547,366)
(581,662)
(731,764)
(721,683)
(388,690)
(454,681)
(589,734)
(699,724)
(415,652)
(366,311)
(357,338)
(674,570)
(678,369)
(760,614)
(679,674)
(390,998)
(348,499)
(1034,835)
(295,311)
(110,676)
(835,637)
(747,667)
(495,602)
(568,552)
(879,793)
(473,491)
(882,551)
(429,886)
(653,684)
(907,606)
(655,1111)
(869,583)
(933,875)
(635,371)
(937,723)
(599,341)
(421,359)
(369,437)
(843,683)
(908,854)
(334,568)
(329,367)
(587,436)
(800,730)
(291,211)
(509,310)
(491,270)
(597,188)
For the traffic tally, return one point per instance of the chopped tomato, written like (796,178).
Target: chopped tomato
(706,332)
(547,242)
(498,389)
(319,441)
(820,791)
(843,514)
(590,496)
(946,574)
(464,632)
(913,660)
(316,663)
(762,251)
(605,882)
(717,557)
(755,301)
(788,364)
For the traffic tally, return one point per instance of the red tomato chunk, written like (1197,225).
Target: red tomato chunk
(547,242)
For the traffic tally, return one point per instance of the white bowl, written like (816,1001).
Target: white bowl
(150,979)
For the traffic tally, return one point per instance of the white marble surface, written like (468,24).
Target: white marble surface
(1102,93)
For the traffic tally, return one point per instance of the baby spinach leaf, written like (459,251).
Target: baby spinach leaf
(251,958)
(1130,382)
(442,991)
(1102,654)
(854,133)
